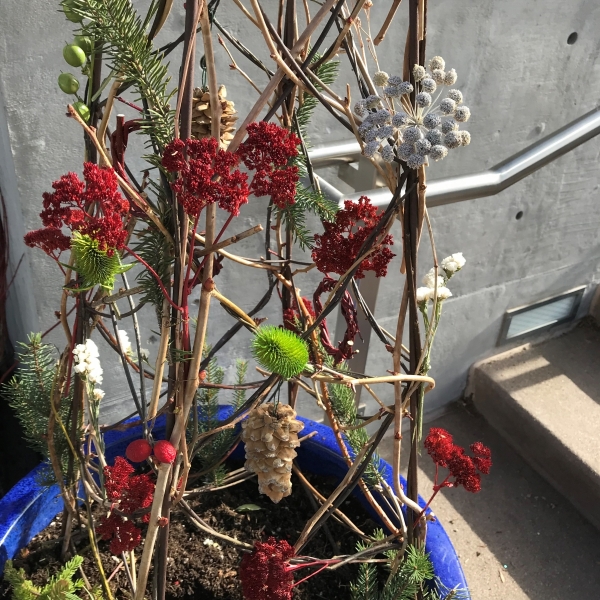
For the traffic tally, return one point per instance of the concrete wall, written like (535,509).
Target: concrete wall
(521,80)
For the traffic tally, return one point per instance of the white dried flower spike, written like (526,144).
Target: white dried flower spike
(447,106)
(372,101)
(145,353)
(428,85)
(98,394)
(414,161)
(405,87)
(462,114)
(382,117)
(419,72)
(434,136)
(423,294)
(449,125)
(399,119)
(412,134)
(385,132)
(455,95)
(371,135)
(453,263)
(360,108)
(371,149)
(124,342)
(443,293)
(423,99)
(405,150)
(387,154)
(380,78)
(432,121)
(422,147)
(429,280)
(392,91)
(465,138)
(438,152)
(438,76)
(450,77)
(437,62)
(453,140)
(88,366)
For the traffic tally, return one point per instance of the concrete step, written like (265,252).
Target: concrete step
(545,401)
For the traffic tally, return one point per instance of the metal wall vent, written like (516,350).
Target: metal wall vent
(540,316)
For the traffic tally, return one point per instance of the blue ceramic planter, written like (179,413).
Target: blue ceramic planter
(28,509)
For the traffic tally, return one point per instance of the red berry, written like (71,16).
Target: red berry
(138,451)
(164,451)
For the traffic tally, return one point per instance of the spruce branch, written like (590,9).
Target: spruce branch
(131,54)
(29,394)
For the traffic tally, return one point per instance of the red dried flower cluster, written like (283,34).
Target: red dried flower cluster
(208,174)
(128,493)
(268,150)
(292,315)
(463,468)
(337,248)
(264,573)
(72,205)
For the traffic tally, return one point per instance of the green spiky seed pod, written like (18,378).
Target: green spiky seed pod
(68,83)
(95,266)
(280,351)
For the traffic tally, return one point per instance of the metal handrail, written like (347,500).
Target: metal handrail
(477,185)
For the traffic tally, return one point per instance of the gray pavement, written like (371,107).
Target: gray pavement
(518,538)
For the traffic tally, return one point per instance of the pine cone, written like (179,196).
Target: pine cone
(270,440)
(202,114)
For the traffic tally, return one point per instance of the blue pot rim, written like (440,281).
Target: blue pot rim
(28,508)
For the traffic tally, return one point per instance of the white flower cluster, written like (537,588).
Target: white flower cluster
(450,265)
(88,363)
(124,342)
(414,133)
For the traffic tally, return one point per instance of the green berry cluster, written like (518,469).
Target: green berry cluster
(76,55)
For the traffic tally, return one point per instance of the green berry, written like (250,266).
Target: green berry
(74,55)
(71,16)
(82,110)
(280,351)
(68,83)
(84,42)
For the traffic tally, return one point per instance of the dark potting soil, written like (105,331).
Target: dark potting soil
(197,568)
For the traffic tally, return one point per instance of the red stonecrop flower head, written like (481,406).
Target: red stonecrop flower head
(463,468)
(92,207)
(268,146)
(337,248)
(269,150)
(123,534)
(128,493)
(207,175)
(264,574)
(49,239)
